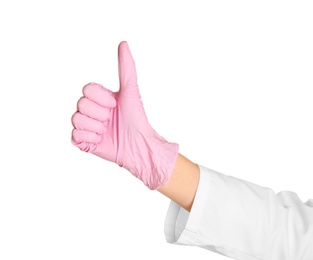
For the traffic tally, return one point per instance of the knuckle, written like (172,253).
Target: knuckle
(75,139)
(75,118)
(81,104)
(89,88)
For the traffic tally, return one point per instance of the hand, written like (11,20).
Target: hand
(114,126)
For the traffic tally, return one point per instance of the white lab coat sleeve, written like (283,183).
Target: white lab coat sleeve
(243,221)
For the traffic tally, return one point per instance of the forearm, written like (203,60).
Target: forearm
(183,183)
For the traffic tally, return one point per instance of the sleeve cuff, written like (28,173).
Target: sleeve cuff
(242,220)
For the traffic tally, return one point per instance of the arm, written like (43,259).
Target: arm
(183,182)
(230,216)
(114,126)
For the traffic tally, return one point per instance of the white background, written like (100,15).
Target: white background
(230,81)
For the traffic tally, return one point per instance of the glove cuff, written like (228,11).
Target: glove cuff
(150,158)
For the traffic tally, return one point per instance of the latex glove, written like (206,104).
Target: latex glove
(114,126)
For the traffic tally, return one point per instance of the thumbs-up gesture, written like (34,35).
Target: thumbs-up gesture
(114,126)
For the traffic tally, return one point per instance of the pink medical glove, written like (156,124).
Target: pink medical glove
(114,126)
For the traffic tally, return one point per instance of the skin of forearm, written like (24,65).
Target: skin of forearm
(183,183)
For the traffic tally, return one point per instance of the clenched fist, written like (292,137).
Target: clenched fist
(114,126)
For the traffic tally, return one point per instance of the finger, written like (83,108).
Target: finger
(93,110)
(84,146)
(82,122)
(127,69)
(99,95)
(82,136)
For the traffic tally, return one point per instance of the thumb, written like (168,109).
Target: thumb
(126,69)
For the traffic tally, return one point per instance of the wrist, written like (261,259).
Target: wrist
(149,157)
(183,183)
